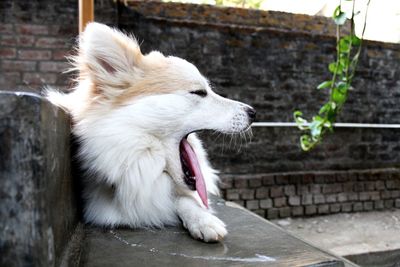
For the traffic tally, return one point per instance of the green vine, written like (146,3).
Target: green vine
(348,49)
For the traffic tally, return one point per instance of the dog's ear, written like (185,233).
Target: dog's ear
(110,58)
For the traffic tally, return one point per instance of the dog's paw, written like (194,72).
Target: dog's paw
(206,227)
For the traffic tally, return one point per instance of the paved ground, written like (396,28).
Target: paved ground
(349,234)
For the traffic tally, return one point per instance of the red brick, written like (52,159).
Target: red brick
(265,203)
(385,194)
(19,40)
(306,199)
(308,178)
(315,188)
(303,189)
(342,177)
(7,52)
(379,204)
(348,187)
(364,196)
(32,54)
(18,65)
(246,193)
(332,188)
(358,187)
(61,54)
(294,200)
(52,42)
(272,213)
(334,208)
(346,207)
(9,80)
(369,205)
(358,206)
(262,192)
(255,182)
(259,212)
(252,204)
(284,212)
(279,202)
(331,198)
(393,184)
(375,195)
(323,209)
(318,199)
(282,179)
(32,29)
(352,196)
(397,203)
(297,211)
(310,210)
(369,186)
(6,28)
(290,190)
(240,183)
(276,191)
(268,180)
(232,194)
(39,78)
(389,203)
(380,185)
(395,193)
(51,66)
(342,197)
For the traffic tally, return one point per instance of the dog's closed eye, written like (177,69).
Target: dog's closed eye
(202,93)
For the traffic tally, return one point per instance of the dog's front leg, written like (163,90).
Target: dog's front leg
(199,221)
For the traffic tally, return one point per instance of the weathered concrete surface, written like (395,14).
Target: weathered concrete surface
(252,241)
(37,200)
(374,236)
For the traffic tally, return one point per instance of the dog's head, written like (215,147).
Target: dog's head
(165,96)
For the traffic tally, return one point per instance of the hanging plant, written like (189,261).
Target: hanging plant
(348,49)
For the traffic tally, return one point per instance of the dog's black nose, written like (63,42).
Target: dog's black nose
(252,113)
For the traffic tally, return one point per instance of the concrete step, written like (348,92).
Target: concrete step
(252,241)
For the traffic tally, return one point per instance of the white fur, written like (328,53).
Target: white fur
(131,149)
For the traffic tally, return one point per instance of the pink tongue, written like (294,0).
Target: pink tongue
(195,167)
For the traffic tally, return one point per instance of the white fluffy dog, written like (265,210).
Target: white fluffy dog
(135,116)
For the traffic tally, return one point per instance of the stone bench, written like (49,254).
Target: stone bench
(40,214)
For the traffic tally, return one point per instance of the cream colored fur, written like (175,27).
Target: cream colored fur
(130,111)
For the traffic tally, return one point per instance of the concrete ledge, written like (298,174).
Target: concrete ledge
(37,199)
(252,241)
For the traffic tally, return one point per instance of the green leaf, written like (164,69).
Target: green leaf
(338,96)
(339,16)
(301,123)
(325,84)
(332,67)
(325,108)
(342,87)
(356,41)
(344,45)
(306,143)
(338,69)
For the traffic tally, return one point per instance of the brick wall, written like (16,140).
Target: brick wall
(280,195)
(274,61)
(35,37)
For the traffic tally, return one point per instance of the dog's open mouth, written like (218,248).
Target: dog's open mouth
(192,173)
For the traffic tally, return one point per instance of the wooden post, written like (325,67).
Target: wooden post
(86,13)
